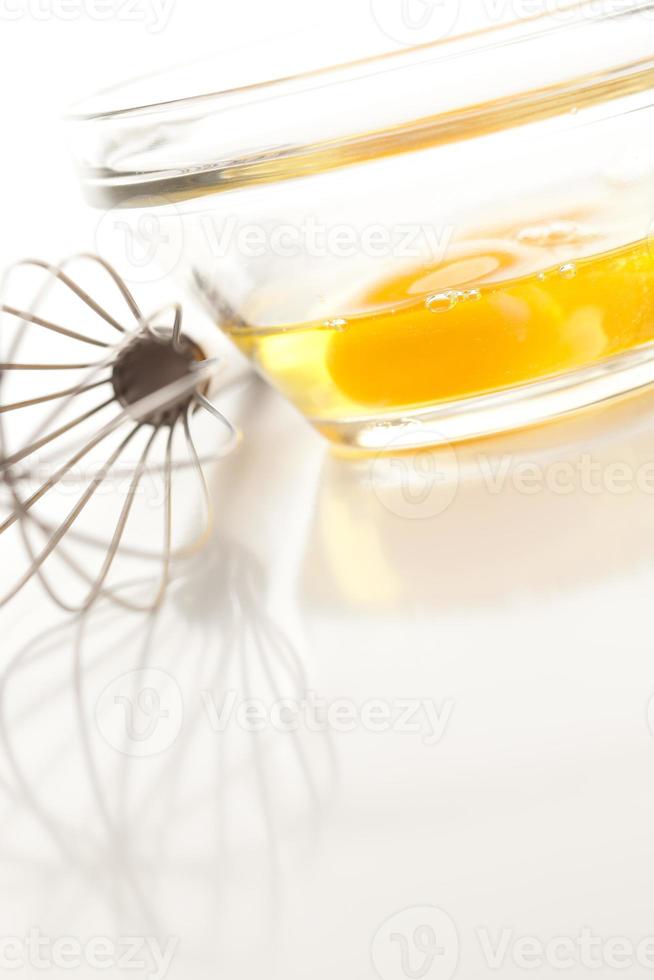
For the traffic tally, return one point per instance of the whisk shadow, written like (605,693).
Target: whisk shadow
(213,637)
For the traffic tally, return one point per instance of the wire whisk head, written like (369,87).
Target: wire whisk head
(147,364)
(138,387)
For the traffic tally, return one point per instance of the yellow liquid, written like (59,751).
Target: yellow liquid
(475,323)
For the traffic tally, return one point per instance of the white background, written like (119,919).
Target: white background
(527,613)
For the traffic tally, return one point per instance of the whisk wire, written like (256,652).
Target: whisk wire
(54,396)
(159,378)
(57,271)
(26,317)
(112,550)
(63,529)
(44,367)
(18,457)
(234,433)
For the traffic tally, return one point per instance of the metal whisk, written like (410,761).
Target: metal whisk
(139,385)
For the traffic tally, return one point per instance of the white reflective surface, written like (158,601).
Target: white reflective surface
(499,607)
(475,737)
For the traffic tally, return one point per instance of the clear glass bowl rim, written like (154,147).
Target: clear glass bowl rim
(377,106)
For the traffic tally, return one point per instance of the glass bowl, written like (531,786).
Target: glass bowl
(434,244)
